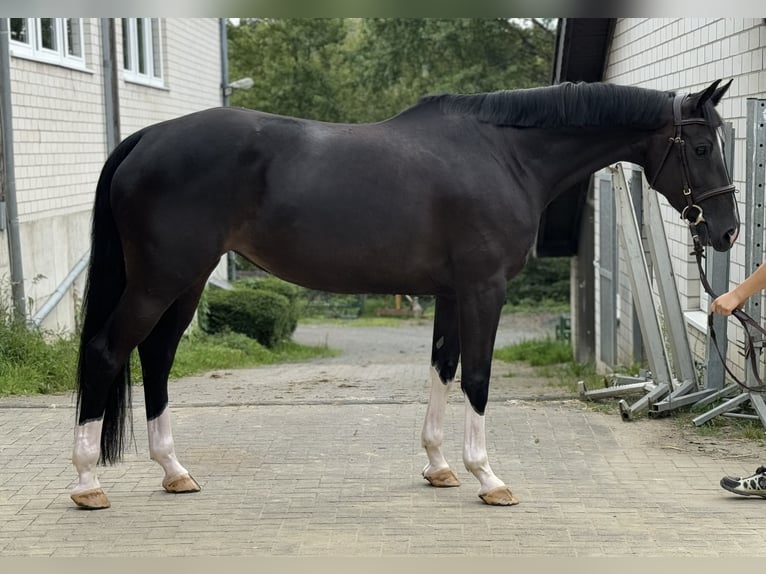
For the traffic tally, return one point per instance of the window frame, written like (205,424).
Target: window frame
(152,38)
(60,54)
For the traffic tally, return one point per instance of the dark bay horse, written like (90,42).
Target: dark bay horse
(456,182)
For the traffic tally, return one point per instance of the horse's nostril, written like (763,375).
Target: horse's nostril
(732,235)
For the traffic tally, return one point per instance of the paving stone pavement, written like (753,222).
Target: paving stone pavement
(324,458)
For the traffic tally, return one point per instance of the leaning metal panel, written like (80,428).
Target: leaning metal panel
(680,353)
(717,271)
(639,279)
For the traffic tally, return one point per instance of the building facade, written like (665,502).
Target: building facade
(77,86)
(682,55)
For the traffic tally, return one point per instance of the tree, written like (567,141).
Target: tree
(407,58)
(356,70)
(290,62)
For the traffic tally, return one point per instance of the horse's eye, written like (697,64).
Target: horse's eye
(700,150)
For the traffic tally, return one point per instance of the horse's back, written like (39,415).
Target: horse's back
(346,207)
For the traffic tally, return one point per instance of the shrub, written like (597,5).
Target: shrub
(260,314)
(541,279)
(275,285)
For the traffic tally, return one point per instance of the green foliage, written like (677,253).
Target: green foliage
(291,63)
(543,279)
(261,315)
(361,70)
(29,365)
(229,350)
(537,352)
(553,359)
(275,285)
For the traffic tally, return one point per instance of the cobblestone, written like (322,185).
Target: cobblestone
(324,459)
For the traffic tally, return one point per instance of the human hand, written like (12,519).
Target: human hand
(726,304)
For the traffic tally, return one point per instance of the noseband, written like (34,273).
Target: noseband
(692,200)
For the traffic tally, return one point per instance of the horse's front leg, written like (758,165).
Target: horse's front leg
(479,319)
(445,354)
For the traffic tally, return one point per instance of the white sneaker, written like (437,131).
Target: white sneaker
(754,485)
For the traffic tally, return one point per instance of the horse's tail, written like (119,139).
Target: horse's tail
(103,289)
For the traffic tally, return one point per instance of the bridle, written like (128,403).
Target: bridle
(693,199)
(679,143)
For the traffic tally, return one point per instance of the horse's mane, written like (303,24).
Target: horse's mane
(563,105)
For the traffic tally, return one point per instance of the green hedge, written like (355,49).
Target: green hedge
(275,285)
(258,313)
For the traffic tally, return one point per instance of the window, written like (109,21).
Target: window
(52,40)
(142,50)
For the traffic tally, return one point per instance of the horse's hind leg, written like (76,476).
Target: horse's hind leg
(157,353)
(445,354)
(105,356)
(479,319)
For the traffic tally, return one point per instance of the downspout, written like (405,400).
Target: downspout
(231,257)
(111,92)
(8,190)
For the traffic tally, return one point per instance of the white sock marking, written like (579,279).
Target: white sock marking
(87,448)
(433,428)
(161,446)
(475,451)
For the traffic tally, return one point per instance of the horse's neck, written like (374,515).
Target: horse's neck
(559,159)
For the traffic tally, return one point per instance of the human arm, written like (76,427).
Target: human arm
(734,299)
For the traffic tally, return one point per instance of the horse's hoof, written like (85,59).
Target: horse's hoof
(180,484)
(500,496)
(442,478)
(92,499)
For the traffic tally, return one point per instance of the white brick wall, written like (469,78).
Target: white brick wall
(60,144)
(685,55)
(59,141)
(192,64)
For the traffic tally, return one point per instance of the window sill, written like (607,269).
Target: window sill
(69,65)
(137,81)
(697,319)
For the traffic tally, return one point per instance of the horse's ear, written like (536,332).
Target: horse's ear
(720,92)
(700,98)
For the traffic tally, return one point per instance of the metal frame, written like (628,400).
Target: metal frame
(649,323)
(754,248)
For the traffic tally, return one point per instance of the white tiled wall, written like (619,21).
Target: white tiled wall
(685,55)
(192,62)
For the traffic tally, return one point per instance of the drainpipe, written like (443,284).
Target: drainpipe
(8,189)
(231,257)
(111,93)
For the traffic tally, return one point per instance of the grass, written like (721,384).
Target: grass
(553,360)
(201,353)
(721,426)
(29,364)
(537,352)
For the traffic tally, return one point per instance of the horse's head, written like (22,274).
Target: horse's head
(689,169)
